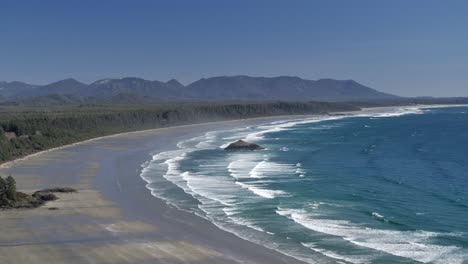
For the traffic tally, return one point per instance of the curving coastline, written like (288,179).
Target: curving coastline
(167,176)
(114,218)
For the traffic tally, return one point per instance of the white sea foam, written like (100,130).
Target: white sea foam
(229,211)
(391,112)
(166,165)
(278,126)
(174,175)
(266,193)
(213,188)
(253,165)
(145,164)
(259,169)
(285,125)
(163,156)
(300,171)
(337,256)
(211,165)
(267,168)
(231,214)
(241,166)
(207,140)
(223,146)
(200,142)
(244,222)
(415,245)
(377,215)
(332,204)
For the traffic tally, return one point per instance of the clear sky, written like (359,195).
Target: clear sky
(406,47)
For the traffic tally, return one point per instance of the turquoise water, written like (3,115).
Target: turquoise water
(386,186)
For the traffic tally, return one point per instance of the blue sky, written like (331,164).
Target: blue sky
(402,47)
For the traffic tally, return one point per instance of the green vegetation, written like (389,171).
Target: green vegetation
(10,198)
(7,191)
(25,131)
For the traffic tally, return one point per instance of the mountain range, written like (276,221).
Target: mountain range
(223,88)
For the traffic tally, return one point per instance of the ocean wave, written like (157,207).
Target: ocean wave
(213,188)
(337,256)
(173,174)
(253,165)
(300,171)
(277,126)
(162,178)
(207,140)
(266,168)
(256,136)
(168,161)
(285,125)
(225,145)
(232,212)
(265,193)
(392,112)
(316,205)
(242,164)
(414,245)
(201,142)
(163,156)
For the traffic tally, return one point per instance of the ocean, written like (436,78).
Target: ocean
(379,186)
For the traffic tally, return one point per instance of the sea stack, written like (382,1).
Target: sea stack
(242,145)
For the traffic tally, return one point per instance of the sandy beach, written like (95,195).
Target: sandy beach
(114,218)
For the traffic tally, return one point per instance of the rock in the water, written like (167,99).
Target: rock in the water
(242,145)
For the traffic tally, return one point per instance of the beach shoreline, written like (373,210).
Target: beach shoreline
(113,211)
(114,218)
(10,163)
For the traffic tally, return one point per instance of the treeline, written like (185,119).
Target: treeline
(26,131)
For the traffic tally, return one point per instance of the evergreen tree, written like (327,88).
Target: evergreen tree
(3,196)
(10,189)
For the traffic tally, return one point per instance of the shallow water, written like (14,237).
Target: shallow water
(378,187)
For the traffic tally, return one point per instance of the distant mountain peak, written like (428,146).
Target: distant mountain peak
(173,83)
(103,81)
(136,79)
(15,89)
(219,88)
(67,81)
(286,88)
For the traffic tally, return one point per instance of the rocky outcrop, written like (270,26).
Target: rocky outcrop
(243,145)
(39,198)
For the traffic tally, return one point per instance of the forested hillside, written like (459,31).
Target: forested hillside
(27,130)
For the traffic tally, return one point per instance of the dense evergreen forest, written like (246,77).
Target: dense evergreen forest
(25,131)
